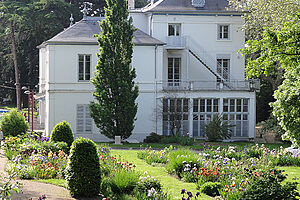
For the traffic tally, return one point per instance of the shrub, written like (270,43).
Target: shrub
(178,139)
(147,183)
(269,186)
(62,132)
(218,129)
(83,169)
(211,188)
(13,124)
(178,160)
(153,138)
(124,182)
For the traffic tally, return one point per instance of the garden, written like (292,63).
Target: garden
(87,169)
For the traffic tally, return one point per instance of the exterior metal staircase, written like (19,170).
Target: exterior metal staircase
(216,74)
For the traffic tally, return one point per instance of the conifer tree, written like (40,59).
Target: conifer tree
(115,109)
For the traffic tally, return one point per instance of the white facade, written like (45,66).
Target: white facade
(197,64)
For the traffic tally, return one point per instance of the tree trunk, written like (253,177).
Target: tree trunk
(14,52)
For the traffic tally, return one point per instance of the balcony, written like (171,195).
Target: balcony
(195,85)
(176,42)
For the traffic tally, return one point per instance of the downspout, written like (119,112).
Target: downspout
(150,29)
(155,85)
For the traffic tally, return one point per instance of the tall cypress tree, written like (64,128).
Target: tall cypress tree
(114,113)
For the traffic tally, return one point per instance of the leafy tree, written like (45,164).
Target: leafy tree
(283,48)
(287,106)
(263,14)
(35,21)
(114,114)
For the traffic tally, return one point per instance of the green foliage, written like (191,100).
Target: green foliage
(178,139)
(153,138)
(115,111)
(13,124)
(263,14)
(271,124)
(270,187)
(211,188)
(178,159)
(83,170)
(147,182)
(287,105)
(124,182)
(34,22)
(218,129)
(7,185)
(62,132)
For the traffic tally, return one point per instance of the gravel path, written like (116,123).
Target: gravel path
(33,190)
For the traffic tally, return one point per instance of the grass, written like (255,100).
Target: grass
(293,175)
(170,184)
(197,146)
(57,182)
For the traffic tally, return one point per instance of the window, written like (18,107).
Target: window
(84,72)
(174,30)
(174,68)
(175,116)
(83,119)
(223,32)
(203,111)
(223,66)
(236,111)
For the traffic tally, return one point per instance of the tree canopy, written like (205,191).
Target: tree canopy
(115,109)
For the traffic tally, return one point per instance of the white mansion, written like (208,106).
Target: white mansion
(186,59)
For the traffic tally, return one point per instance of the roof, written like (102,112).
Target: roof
(83,32)
(186,6)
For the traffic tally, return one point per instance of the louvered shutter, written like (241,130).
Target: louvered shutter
(80,119)
(88,119)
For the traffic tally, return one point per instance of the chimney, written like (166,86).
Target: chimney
(131,5)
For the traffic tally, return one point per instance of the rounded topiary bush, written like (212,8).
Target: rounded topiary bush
(13,124)
(62,132)
(83,169)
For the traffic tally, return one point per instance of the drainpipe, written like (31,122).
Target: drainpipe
(155,85)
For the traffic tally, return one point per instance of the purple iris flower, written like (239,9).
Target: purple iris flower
(190,194)
(182,191)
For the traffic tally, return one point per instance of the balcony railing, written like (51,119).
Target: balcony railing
(176,42)
(194,85)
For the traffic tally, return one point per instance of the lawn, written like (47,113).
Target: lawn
(170,184)
(293,174)
(197,146)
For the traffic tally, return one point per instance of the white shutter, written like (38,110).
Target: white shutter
(80,119)
(88,119)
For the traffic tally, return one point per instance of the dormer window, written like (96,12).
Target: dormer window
(198,3)
(174,29)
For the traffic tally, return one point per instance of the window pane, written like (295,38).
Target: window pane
(185,105)
(165,105)
(216,105)
(177,30)
(245,109)
(232,105)
(195,105)
(178,104)
(171,30)
(87,68)
(172,105)
(81,76)
(209,107)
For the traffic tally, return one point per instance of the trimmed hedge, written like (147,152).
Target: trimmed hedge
(13,124)
(62,132)
(83,173)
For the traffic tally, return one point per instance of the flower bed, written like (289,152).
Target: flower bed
(32,156)
(237,173)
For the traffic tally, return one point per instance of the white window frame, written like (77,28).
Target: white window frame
(221,32)
(204,109)
(167,112)
(235,113)
(84,67)
(84,122)
(220,67)
(177,29)
(174,82)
